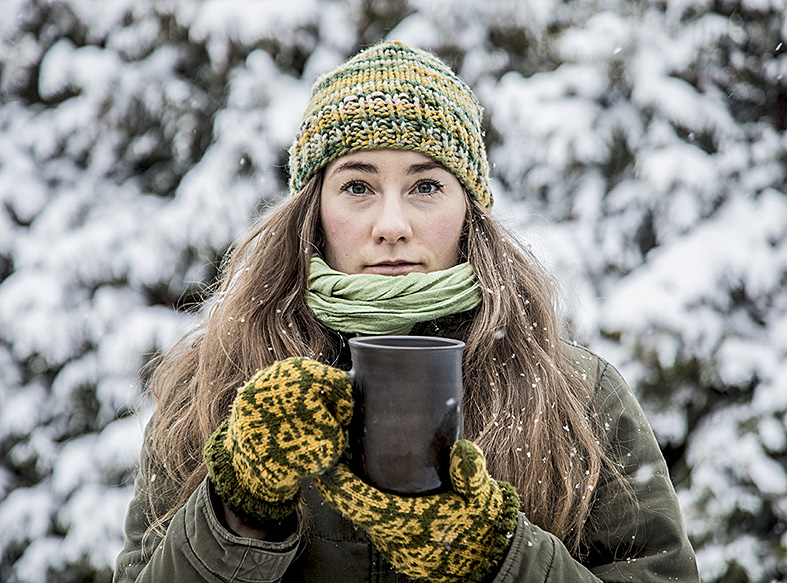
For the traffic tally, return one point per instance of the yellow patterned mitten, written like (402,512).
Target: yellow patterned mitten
(287,423)
(460,535)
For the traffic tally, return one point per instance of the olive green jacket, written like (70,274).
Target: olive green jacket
(627,542)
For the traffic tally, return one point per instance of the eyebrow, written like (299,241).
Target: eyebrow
(431,165)
(372,169)
(357,166)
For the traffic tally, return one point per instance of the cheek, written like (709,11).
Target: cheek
(445,234)
(340,234)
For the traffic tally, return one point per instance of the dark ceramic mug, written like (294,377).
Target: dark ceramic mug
(408,411)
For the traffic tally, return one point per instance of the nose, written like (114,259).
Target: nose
(391,223)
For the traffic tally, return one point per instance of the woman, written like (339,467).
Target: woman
(389,232)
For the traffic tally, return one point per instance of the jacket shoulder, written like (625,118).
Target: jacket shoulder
(597,371)
(610,393)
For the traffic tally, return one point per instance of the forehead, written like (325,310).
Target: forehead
(382,159)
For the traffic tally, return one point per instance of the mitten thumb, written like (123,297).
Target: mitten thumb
(467,469)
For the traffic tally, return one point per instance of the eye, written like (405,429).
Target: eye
(356,188)
(428,187)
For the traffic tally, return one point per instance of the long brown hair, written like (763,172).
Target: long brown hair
(526,405)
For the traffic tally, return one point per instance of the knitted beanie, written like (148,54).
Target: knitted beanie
(393,96)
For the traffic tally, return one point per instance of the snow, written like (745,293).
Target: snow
(749,555)
(96,540)
(101,18)
(66,68)
(25,514)
(679,288)
(772,434)
(246,22)
(636,149)
(37,559)
(21,411)
(603,35)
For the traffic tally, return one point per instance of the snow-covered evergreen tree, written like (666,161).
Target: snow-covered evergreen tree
(639,147)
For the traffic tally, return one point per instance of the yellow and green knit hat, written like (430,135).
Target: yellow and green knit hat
(393,96)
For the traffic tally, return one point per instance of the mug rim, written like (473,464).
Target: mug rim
(407,342)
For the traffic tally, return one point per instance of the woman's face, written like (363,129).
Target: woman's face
(391,212)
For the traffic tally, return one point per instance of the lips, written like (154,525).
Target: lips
(394,267)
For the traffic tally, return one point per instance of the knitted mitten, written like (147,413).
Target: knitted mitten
(460,535)
(286,423)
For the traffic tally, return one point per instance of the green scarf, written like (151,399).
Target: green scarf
(388,304)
